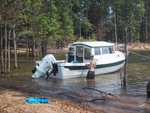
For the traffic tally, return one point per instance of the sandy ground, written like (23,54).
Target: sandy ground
(13,101)
(135,46)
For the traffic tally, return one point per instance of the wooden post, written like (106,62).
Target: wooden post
(126,56)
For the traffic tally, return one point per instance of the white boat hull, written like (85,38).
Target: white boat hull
(108,60)
(66,73)
(74,70)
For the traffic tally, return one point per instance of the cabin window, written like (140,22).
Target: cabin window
(87,53)
(111,49)
(105,50)
(97,51)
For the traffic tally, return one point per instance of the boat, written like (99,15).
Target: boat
(108,60)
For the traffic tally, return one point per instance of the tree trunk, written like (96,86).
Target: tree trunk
(5,48)
(15,48)
(27,46)
(2,51)
(146,22)
(45,46)
(116,37)
(42,46)
(33,47)
(9,51)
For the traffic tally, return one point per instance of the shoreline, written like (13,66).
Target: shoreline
(120,46)
(13,101)
(130,46)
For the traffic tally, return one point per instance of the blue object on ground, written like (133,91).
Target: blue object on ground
(37,100)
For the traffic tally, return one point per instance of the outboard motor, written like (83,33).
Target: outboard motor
(44,66)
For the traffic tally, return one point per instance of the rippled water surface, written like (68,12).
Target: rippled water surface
(138,76)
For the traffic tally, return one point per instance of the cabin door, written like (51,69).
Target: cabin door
(87,53)
(79,54)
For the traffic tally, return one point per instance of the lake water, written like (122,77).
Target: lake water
(138,76)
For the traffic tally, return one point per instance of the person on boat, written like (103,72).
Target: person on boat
(70,54)
(91,66)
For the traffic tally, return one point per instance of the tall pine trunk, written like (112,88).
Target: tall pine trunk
(9,51)
(2,50)
(5,47)
(15,47)
(146,23)
(33,47)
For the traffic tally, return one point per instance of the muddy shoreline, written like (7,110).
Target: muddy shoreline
(13,101)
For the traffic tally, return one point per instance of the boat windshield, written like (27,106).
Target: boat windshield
(107,50)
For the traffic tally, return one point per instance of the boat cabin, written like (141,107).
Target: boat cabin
(83,50)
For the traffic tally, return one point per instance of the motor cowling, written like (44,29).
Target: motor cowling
(43,66)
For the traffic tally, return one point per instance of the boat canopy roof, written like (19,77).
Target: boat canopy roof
(94,44)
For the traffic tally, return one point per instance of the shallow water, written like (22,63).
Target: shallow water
(138,76)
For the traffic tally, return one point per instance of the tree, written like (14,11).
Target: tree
(8,18)
(98,12)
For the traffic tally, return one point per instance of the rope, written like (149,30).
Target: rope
(140,55)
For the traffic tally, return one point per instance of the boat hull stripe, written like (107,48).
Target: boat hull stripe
(97,67)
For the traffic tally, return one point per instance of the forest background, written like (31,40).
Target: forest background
(36,24)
